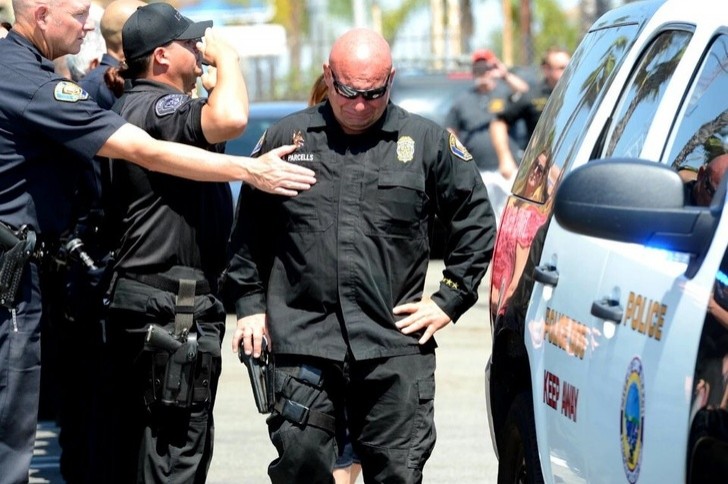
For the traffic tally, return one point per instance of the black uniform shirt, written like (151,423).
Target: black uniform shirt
(528,107)
(167,220)
(470,116)
(48,127)
(95,85)
(329,265)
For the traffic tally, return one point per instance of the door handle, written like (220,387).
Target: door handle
(608,309)
(546,274)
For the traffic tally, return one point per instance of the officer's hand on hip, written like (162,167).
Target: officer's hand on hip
(249,332)
(422,315)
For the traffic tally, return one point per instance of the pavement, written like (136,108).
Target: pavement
(463,453)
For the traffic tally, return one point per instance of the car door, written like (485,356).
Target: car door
(637,310)
(652,354)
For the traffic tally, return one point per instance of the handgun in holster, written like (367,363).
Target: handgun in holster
(16,247)
(261,373)
(176,387)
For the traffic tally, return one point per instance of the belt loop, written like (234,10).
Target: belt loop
(184,310)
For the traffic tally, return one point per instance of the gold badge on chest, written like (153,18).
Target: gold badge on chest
(405,149)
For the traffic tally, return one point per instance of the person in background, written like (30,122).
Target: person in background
(318,91)
(112,20)
(527,107)
(472,113)
(335,279)
(50,128)
(700,190)
(92,49)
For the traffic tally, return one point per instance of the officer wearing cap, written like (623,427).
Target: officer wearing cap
(49,126)
(335,278)
(471,114)
(526,107)
(170,230)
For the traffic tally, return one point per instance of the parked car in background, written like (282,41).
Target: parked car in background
(260,117)
(429,94)
(610,358)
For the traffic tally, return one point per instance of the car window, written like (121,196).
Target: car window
(702,131)
(571,107)
(643,93)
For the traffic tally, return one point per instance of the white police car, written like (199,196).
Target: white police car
(608,292)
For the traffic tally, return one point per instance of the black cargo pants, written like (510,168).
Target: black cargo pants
(389,404)
(156,443)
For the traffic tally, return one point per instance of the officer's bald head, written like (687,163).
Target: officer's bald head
(115,15)
(363,47)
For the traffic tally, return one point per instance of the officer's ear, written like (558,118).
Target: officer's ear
(160,56)
(41,14)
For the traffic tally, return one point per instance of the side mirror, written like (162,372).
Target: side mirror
(637,201)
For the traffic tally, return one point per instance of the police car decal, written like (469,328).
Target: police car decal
(69,92)
(458,149)
(405,149)
(632,420)
(169,104)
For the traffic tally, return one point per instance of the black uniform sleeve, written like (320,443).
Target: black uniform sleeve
(250,251)
(463,205)
(68,116)
(178,117)
(515,109)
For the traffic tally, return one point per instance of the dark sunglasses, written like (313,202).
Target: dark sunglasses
(368,94)
(539,169)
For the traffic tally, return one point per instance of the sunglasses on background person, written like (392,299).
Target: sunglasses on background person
(349,92)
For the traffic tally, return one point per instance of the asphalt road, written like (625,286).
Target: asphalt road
(463,454)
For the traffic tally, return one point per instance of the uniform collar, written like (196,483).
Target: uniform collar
(138,85)
(324,116)
(46,64)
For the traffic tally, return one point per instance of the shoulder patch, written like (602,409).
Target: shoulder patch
(259,144)
(458,149)
(169,104)
(69,92)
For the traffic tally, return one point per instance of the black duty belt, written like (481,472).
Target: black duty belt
(166,283)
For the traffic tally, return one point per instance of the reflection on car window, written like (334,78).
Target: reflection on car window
(571,106)
(636,109)
(702,131)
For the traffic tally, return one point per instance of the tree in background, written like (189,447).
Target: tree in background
(549,25)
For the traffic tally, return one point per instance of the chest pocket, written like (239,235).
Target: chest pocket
(311,210)
(401,201)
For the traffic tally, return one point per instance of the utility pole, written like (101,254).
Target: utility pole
(526,34)
(437,33)
(454,44)
(507,33)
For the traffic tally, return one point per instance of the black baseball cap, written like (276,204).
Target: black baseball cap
(155,25)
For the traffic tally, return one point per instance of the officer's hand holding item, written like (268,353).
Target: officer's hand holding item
(334,278)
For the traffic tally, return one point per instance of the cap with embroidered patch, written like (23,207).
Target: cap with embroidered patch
(155,25)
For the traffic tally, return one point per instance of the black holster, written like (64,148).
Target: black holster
(180,375)
(17,248)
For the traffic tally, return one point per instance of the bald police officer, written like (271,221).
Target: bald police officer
(45,122)
(334,278)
